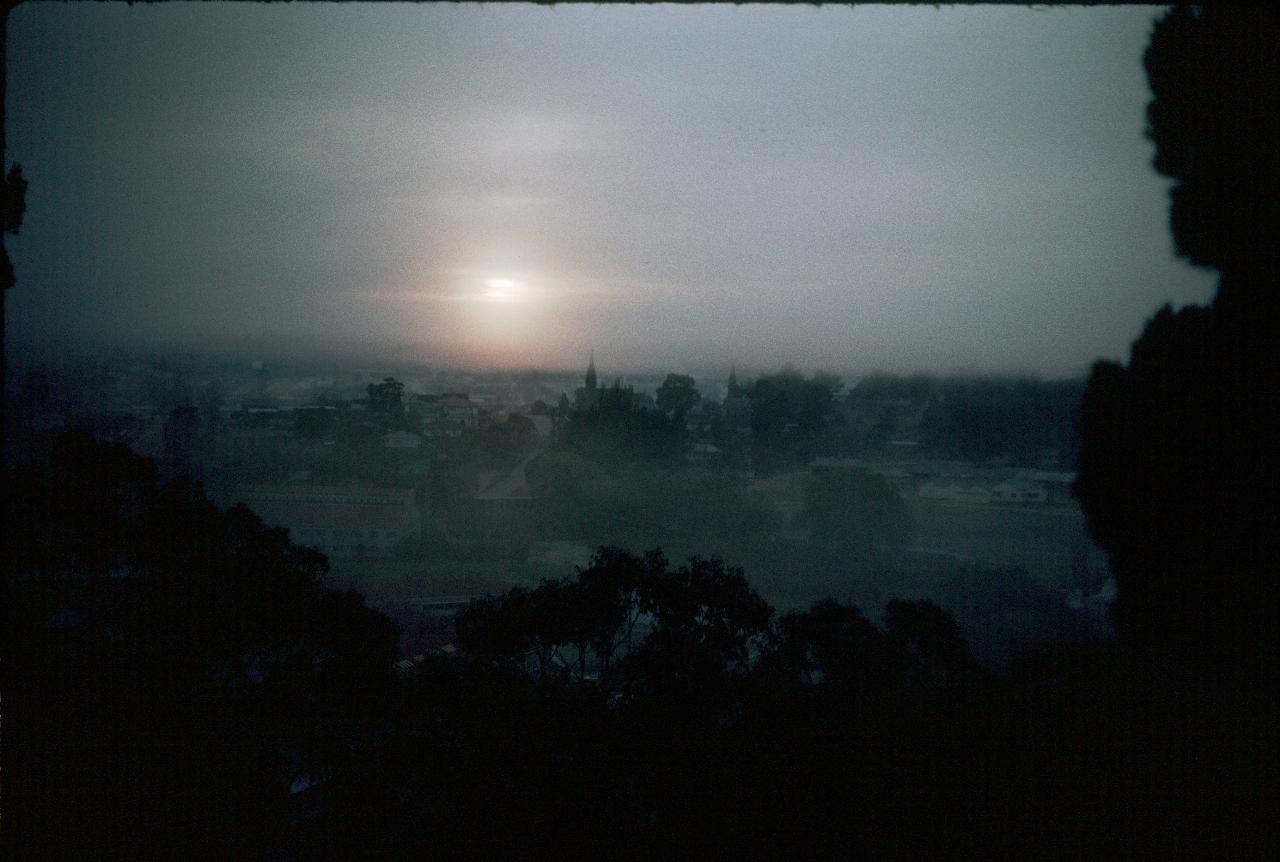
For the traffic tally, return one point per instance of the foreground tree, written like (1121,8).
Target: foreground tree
(177,665)
(835,645)
(1178,473)
(630,622)
(706,622)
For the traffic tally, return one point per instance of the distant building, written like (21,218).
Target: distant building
(448,414)
(401,440)
(899,477)
(260,397)
(1019,491)
(825,464)
(591,396)
(587,396)
(339,521)
(736,407)
(955,492)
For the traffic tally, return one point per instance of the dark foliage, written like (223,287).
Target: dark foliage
(788,416)
(677,396)
(15,199)
(387,396)
(15,205)
(978,420)
(836,645)
(173,667)
(1212,71)
(614,428)
(823,736)
(178,666)
(1179,472)
(386,402)
(630,623)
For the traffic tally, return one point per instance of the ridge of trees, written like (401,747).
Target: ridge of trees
(185,669)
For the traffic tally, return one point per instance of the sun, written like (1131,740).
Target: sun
(501,289)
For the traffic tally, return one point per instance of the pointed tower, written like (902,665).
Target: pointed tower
(737,409)
(588,397)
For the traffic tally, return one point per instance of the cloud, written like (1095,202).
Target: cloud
(757,183)
(409,296)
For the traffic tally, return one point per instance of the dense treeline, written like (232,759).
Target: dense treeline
(980,418)
(184,669)
(614,428)
(791,417)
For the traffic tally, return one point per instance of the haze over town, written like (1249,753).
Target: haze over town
(956,189)
(543,280)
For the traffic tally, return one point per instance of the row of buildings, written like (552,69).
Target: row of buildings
(963,482)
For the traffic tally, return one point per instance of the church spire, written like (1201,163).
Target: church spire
(591,371)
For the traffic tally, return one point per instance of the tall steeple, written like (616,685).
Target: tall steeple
(733,380)
(591,372)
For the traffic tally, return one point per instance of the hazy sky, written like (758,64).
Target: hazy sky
(671,186)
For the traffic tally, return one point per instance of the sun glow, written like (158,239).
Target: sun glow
(501,289)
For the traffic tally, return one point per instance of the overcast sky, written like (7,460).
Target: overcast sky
(672,187)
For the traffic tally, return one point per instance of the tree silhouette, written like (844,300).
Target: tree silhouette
(15,204)
(835,645)
(931,639)
(608,602)
(645,627)
(788,415)
(179,665)
(677,396)
(386,398)
(1178,472)
(13,199)
(1211,71)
